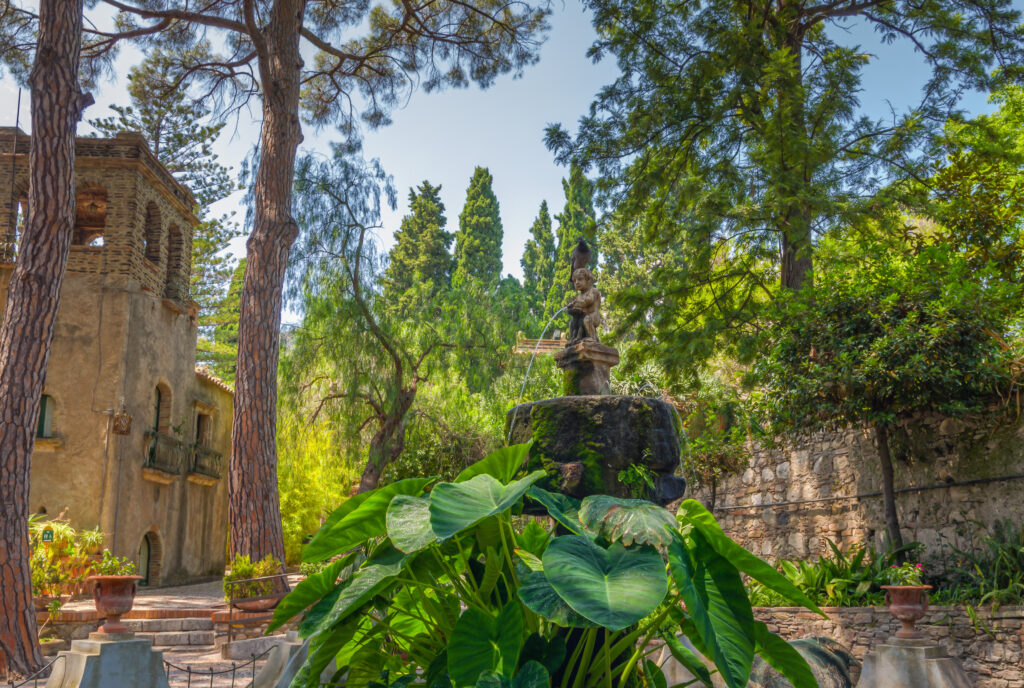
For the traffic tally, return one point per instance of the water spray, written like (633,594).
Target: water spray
(526,378)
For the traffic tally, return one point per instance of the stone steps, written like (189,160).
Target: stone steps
(190,632)
(168,625)
(179,638)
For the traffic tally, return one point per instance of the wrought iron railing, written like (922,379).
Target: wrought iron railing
(244,673)
(207,461)
(43,674)
(168,454)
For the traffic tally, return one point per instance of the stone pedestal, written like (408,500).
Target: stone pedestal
(587,367)
(905,663)
(109,660)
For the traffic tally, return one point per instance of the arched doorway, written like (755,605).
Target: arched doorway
(144,554)
(150,557)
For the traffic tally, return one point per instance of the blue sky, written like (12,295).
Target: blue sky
(443,136)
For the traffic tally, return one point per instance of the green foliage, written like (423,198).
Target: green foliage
(314,476)
(538,263)
(220,350)
(577,220)
(420,254)
(474,601)
(907,333)
(841,579)
(478,241)
(989,570)
(733,132)
(65,561)
(242,569)
(111,565)
(907,573)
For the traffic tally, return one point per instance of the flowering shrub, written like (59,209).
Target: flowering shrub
(904,574)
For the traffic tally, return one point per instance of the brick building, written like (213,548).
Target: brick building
(132,437)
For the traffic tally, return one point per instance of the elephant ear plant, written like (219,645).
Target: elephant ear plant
(431,583)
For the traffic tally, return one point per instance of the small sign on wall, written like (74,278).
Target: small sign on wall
(48,535)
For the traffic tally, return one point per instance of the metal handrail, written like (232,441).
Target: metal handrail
(34,678)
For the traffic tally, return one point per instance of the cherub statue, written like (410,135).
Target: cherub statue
(585,308)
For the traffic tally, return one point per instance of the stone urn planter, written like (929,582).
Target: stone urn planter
(908,603)
(114,596)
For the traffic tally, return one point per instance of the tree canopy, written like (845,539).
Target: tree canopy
(478,241)
(735,135)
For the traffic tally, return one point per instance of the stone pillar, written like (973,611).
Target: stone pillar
(911,663)
(109,660)
(587,367)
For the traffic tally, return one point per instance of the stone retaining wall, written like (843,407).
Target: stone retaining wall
(991,651)
(793,496)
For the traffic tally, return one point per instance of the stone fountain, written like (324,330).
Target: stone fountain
(587,437)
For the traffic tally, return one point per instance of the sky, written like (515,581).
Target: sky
(442,136)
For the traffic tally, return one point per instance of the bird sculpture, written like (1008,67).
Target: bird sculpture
(580,257)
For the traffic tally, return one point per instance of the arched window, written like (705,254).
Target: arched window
(162,409)
(46,408)
(90,216)
(152,233)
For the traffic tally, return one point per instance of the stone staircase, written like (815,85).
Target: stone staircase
(188,632)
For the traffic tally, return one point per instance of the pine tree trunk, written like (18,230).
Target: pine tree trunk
(32,301)
(254,510)
(892,522)
(795,175)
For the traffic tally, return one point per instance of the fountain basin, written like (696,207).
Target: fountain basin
(584,442)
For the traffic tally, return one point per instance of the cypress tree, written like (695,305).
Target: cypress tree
(421,250)
(576,220)
(538,262)
(478,241)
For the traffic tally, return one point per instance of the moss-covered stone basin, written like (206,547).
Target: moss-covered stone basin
(602,444)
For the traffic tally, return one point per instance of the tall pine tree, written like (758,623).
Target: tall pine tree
(576,220)
(421,251)
(538,262)
(478,241)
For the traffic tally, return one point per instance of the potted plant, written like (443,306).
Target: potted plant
(114,591)
(254,586)
(906,597)
(47,581)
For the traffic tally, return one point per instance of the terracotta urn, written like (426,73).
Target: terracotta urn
(114,596)
(907,603)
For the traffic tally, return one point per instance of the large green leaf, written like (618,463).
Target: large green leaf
(536,593)
(502,464)
(685,656)
(560,507)
(531,675)
(322,649)
(548,652)
(482,643)
(408,523)
(783,657)
(627,520)
(534,538)
(716,600)
(360,518)
(693,512)
(309,592)
(612,587)
(457,506)
(373,577)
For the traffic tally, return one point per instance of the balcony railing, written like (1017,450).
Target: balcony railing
(207,461)
(168,454)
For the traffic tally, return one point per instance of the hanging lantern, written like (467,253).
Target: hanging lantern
(122,421)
